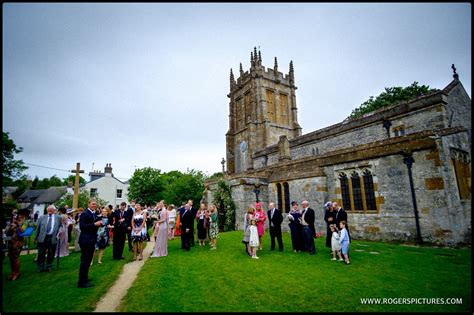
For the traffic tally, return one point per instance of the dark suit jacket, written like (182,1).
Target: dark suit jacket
(120,227)
(187,220)
(309,217)
(276,220)
(341,215)
(88,235)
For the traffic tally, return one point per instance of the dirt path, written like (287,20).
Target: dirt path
(111,300)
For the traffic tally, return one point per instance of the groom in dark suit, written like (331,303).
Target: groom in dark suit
(89,225)
(275,219)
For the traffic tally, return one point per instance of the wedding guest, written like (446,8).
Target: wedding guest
(250,213)
(120,231)
(77,229)
(201,224)
(295,227)
(187,220)
(213,226)
(63,242)
(335,245)
(103,236)
(309,231)
(138,231)
(344,241)
(161,242)
(329,218)
(171,221)
(254,242)
(260,216)
(46,237)
(18,225)
(274,222)
(89,226)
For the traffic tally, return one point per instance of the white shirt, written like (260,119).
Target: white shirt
(52,224)
(302,217)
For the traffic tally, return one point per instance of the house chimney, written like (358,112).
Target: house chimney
(108,168)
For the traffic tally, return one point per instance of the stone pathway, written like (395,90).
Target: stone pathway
(111,300)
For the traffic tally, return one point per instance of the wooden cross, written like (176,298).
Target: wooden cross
(76,185)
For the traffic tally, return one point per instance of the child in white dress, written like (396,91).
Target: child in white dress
(335,245)
(253,240)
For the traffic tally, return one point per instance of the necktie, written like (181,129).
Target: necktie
(273,211)
(48,226)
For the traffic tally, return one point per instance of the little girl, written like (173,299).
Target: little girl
(344,241)
(253,240)
(335,246)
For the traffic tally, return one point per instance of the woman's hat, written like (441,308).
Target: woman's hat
(69,211)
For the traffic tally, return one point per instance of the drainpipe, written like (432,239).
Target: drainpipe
(408,160)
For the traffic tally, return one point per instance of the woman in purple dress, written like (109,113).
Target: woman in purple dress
(63,242)
(161,243)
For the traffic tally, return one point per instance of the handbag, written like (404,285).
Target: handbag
(27,232)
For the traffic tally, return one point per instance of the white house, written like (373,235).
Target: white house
(106,186)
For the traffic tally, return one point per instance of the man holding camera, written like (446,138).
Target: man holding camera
(89,225)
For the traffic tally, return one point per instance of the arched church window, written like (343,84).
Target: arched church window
(356,191)
(279,196)
(286,189)
(369,190)
(346,197)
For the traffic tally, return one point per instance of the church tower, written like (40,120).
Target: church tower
(262,108)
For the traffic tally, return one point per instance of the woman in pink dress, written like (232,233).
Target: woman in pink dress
(260,216)
(161,243)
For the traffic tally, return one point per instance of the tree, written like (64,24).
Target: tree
(146,186)
(389,97)
(45,183)
(181,187)
(11,169)
(72,178)
(83,200)
(225,206)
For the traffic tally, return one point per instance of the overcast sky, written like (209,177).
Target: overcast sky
(140,85)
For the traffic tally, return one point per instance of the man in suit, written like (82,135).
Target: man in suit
(193,213)
(120,219)
(89,225)
(275,219)
(46,237)
(341,215)
(130,213)
(186,221)
(307,220)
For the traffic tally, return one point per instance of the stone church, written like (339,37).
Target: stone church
(402,172)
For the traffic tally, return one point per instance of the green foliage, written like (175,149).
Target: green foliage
(181,187)
(82,200)
(45,183)
(217,175)
(148,186)
(71,179)
(389,97)
(222,199)
(11,168)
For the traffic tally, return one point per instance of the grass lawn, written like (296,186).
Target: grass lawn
(57,291)
(228,280)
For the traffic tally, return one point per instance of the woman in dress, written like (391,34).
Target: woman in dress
(103,235)
(77,230)
(213,226)
(295,227)
(171,221)
(250,213)
(19,223)
(138,231)
(201,217)
(260,216)
(161,242)
(63,242)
